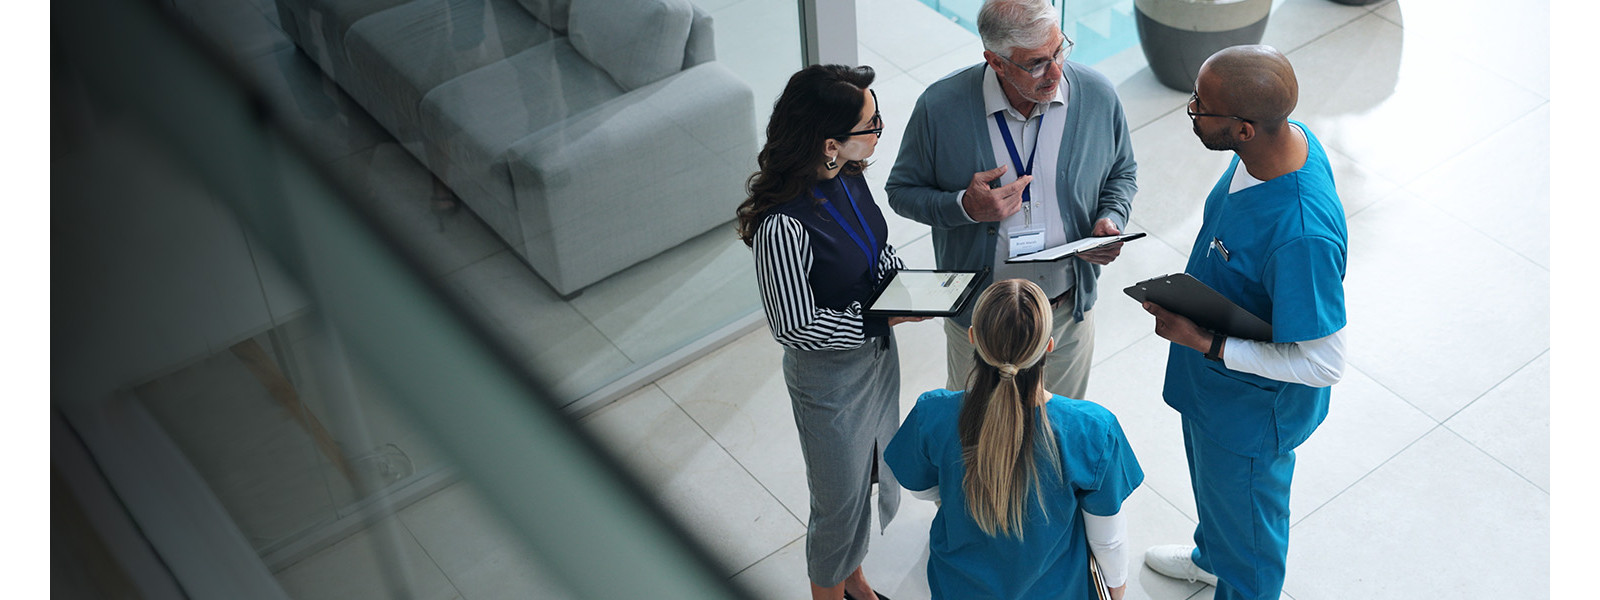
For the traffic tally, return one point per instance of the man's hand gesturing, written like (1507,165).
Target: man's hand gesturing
(984,203)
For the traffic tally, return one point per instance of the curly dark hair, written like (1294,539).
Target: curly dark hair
(819,102)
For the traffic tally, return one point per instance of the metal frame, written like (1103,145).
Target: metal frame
(828,32)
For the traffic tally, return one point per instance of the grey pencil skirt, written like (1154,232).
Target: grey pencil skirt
(847,407)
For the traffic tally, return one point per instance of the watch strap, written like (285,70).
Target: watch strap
(1215,353)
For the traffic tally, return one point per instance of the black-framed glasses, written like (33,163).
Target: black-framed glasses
(1194,102)
(876,122)
(1039,67)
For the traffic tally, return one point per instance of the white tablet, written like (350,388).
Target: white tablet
(925,293)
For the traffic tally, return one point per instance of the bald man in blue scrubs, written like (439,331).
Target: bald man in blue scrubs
(1273,241)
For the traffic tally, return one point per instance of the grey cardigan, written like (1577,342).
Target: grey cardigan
(947,140)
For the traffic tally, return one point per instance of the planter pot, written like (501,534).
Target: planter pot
(1179,35)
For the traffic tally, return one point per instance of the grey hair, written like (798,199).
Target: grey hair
(1005,25)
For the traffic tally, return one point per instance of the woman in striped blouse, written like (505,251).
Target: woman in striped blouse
(821,245)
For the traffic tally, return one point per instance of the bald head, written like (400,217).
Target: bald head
(1254,82)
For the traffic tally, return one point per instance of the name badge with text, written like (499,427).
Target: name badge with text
(1024,242)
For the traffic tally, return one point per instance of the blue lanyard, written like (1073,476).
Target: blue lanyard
(872,257)
(1016,160)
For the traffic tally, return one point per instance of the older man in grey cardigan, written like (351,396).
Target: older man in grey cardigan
(1022,152)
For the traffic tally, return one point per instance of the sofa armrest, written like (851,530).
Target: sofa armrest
(636,175)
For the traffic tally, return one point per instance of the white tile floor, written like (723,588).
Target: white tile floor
(1431,477)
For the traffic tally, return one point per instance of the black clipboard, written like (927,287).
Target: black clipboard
(1183,294)
(1063,251)
(925,293)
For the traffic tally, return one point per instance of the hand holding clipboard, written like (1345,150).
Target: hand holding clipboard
(1191,314)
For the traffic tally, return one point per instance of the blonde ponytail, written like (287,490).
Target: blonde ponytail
(1011,329)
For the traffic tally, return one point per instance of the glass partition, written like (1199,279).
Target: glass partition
(333,278)
(569,169)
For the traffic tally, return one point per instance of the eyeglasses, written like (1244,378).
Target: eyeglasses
(1039,67)
(876,122)
(1194,102)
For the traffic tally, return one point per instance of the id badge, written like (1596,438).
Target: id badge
(1024,242)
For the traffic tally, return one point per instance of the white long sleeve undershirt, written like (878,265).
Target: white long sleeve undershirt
(1317,363)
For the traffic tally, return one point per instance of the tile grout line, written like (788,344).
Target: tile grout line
(1329,32)
(428,555)
(1496,385)
(1175,507)
(731,456)
(1386,388)
(1545,95)
(769,555)
(1496,459)
(1544,100)
(1451,161)
(1446,423)
(1369,473)
(1446,159)
(1132,130)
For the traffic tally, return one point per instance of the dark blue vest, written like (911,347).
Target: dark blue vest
(840,273)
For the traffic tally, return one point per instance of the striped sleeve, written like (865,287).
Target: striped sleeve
(783,259)
(888,263)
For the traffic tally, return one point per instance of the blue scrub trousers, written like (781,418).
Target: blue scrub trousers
(1243,536)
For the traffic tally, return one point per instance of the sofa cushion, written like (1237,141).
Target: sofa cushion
(319,26)
(404,52)
(474,118)
(638,42)
(551,12)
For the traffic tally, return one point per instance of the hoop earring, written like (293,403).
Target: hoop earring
(832,164)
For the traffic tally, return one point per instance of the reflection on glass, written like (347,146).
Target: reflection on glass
(569,179)
(279,429)
(570,167)
(337,494)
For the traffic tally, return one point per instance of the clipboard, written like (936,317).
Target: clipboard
(1101,591)
(1074,248)
(925,293)
(1183,294)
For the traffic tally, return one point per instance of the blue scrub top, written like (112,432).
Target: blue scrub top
(1287,249)
(1051,560)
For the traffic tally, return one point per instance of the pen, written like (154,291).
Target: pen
(947,280)
(1217,243)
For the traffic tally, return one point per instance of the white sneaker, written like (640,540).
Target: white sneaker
(1174,561)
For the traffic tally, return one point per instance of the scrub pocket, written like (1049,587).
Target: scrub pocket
(1237,409)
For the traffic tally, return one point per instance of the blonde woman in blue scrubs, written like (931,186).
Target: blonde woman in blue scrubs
(1029,483)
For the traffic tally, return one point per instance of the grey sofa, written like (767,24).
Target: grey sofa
(589,134)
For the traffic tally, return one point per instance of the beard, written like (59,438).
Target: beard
(1219,141)
(1037,92)
(1045,91)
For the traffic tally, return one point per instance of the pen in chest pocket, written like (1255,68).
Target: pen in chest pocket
(1221,249)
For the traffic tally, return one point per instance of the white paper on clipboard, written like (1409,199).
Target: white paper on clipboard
(1073,248)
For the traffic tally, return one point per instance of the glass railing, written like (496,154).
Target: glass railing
(567,177)
(300,343)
